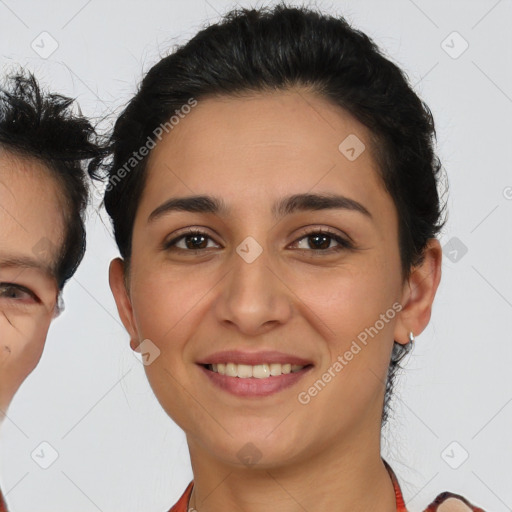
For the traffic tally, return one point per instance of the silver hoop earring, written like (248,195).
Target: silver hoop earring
(411,337)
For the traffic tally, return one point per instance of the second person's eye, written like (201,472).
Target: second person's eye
(15,292)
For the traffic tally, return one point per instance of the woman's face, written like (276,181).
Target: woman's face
(261,277)
(31,227)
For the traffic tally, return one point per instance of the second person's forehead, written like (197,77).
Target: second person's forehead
(30,203)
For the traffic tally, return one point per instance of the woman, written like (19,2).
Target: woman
(43,195)
(273,197)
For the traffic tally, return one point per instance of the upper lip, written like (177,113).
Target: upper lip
(253,358)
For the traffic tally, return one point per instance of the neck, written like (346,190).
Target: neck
(350,477)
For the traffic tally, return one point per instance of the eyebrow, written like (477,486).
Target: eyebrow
(282,207)
(25,262)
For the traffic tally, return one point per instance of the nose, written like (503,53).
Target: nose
(254,297)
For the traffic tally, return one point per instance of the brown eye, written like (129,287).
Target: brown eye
(320,241)
(190,241)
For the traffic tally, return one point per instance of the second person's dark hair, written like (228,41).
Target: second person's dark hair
(43,126)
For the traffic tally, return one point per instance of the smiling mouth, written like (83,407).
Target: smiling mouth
(259,371)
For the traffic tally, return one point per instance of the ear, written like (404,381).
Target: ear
(418,294)
(122,298)
(59,305)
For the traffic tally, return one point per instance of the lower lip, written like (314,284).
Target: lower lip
(252,386)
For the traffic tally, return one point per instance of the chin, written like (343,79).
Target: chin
(252,449)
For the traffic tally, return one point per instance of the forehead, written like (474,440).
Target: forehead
(31,218)
(265,146)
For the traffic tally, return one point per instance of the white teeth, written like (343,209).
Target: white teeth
(259,371)
(275,369)
(231,370)
(244,371)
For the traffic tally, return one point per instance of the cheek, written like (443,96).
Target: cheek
(353,308)
(21,344)
(163,309)
(347,299)
(163,303)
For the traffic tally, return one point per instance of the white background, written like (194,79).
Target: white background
(89,398)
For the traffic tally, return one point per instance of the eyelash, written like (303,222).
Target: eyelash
(343,244)
(12,286)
